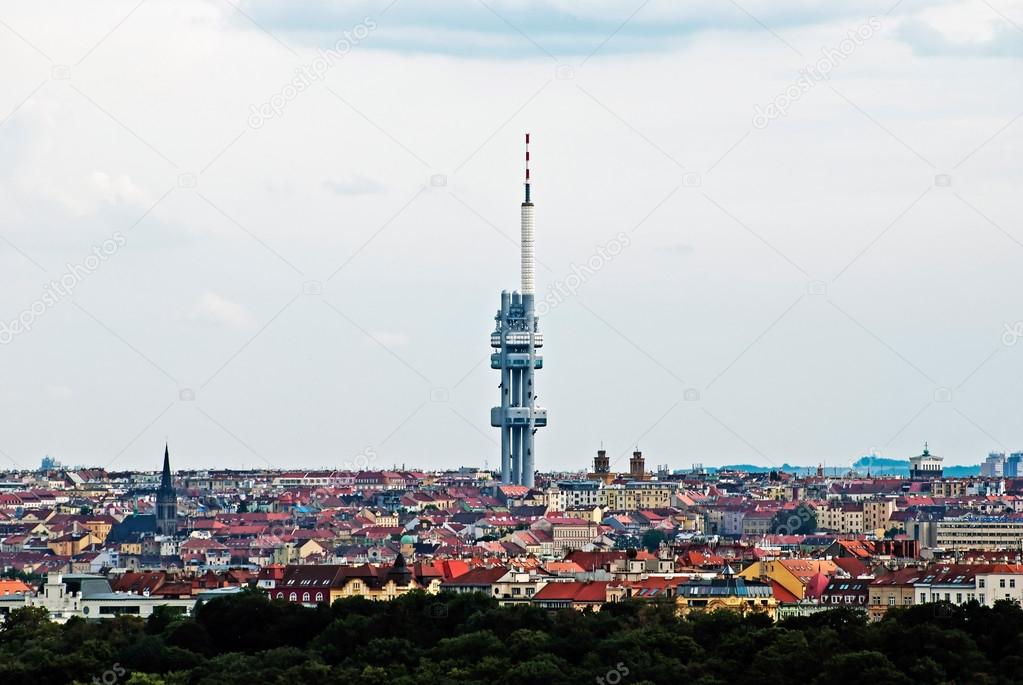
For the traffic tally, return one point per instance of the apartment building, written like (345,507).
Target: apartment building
(877,515)
(573,494)
(637,495)
(991,533)
(841,517)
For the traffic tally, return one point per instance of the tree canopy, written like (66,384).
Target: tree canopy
(467,638)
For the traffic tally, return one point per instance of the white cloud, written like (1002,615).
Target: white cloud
(216,310)
(967,29)
(819,186)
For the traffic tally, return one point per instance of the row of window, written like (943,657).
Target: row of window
(516,592)
(306,597)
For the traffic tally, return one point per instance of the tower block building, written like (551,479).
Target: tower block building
(516,341)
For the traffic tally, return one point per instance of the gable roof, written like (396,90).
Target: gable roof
(592,591)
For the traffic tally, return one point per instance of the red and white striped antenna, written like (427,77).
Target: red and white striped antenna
(527,167)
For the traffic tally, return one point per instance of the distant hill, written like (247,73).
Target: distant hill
(753,468)
(878,466)
(898,467)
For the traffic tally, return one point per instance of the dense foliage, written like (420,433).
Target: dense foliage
(456,639)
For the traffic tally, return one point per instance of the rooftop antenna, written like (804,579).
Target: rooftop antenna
(527,167)
(528,265)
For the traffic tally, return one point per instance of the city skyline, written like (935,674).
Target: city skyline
(799,262)
(881,466)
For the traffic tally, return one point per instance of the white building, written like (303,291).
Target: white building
(91,597)
(925,466)
(573,494)
(994,465)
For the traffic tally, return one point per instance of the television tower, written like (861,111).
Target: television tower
(516,339)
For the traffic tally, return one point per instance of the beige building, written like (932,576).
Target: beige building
(950,488)
(876,515)
(637,495)
(567,533)
(979,532)
(892,590)
(757,523)
(730,593)
(841,517)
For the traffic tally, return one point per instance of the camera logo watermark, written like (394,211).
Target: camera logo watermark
(615,675)
(1012,333)
(308,74)
(55,291)
(566,287)
(110,676)
(812,74)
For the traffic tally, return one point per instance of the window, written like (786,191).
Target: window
(294,597)
(980,582)
(1012,582)
(319,596)
(891,600)
(1001,582)
(118,610)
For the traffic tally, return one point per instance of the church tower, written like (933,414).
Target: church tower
(166,500)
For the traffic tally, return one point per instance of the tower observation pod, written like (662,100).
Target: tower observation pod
(516,341)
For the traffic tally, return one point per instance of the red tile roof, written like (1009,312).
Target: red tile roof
(595,591)
(781,594)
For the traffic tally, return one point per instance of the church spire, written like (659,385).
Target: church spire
(166,499)
(166,484)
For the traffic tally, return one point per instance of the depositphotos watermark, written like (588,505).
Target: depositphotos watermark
(55,291)
(1012,334)
(308,74)
(795,521)
(361,461)
(568,286)
(614,675)
(110,676)
(812,74)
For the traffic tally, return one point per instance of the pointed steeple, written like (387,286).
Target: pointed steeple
(166,484)
(166,499)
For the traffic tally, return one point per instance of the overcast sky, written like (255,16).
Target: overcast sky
(814,211)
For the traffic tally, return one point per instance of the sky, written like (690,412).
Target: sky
(275,233)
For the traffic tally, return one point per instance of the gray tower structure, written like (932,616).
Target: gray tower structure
(516,341)
(166,499)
